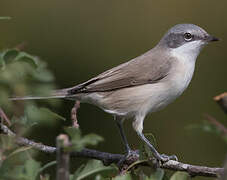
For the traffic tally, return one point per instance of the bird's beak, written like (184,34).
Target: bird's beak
(211,38)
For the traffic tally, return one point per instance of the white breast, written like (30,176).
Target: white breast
(178,80)
(185,64)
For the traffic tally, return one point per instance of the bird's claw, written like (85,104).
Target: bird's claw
(129,157)
(165,158)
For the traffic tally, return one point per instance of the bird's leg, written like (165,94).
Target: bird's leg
(129,151)
(122,133)
(159,157)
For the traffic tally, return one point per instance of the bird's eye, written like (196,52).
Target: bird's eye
(187,36)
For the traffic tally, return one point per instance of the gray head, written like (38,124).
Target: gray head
(182,34)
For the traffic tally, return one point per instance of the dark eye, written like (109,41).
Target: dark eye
(187,36)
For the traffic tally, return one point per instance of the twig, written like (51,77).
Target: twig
(222,101)
(108,158)
(62,157)
(224,174)
(4,117)
(74,114)
(217,124)
(21,46)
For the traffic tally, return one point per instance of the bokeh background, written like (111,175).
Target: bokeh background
(81,38)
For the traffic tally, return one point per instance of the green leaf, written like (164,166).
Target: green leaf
(74,133)
(25,57)
(2,63)
(99,177)
(18,150)
(34,115)
(6,142)
(179,176)
(92,168)
(79,142)
(157,175)
(51,113)
(10,55)
(47,166)
(136,163)
(5,18)
(31,170)
(208,127)
(91,139)
(126,176)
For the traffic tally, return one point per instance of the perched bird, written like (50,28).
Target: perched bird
(145,84)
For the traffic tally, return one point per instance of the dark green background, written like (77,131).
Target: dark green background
(81,38)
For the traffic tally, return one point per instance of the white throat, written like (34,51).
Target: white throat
(189,51)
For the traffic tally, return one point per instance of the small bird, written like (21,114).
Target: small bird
(145,84)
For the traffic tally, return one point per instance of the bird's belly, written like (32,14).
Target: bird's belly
(172,88)
(142,99)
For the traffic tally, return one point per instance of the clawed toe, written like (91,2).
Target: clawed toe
(129,157)
(165,158)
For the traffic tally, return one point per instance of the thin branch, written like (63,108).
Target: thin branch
(217,124)
(62,157)
(4,117)
(74,114)
(224,174)
(108,158)
(222,101)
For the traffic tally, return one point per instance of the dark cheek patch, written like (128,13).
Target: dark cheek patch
(175,40)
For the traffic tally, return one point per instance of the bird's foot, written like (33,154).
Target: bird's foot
(131,156)
(165,158)
(162,158)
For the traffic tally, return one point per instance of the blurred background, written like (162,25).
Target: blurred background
(81,38)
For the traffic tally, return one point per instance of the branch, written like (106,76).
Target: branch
(217,124)
(222,101)
(74,114)
(62,157)
(108,158)
(4,117)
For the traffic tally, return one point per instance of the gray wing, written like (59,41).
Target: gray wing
(141,70)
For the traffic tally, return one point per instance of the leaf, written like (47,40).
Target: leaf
(2,63)
(92,139)
(10,55)
(34,115)
(31,170)
(18,150)
(136,163)
(79,142)
(208,127)
(126,176)
(157,175)
(47,166)
(99,177)
(25,57)
(55,115)
(5,18)
(179,176)
(6,142)
(74,133)
(92,168)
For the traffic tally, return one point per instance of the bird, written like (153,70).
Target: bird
(145,84)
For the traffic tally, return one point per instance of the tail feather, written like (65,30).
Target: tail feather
(61,93)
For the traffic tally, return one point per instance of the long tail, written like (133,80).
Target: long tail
(61,93)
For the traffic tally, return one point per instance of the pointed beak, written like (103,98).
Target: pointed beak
(211,38)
